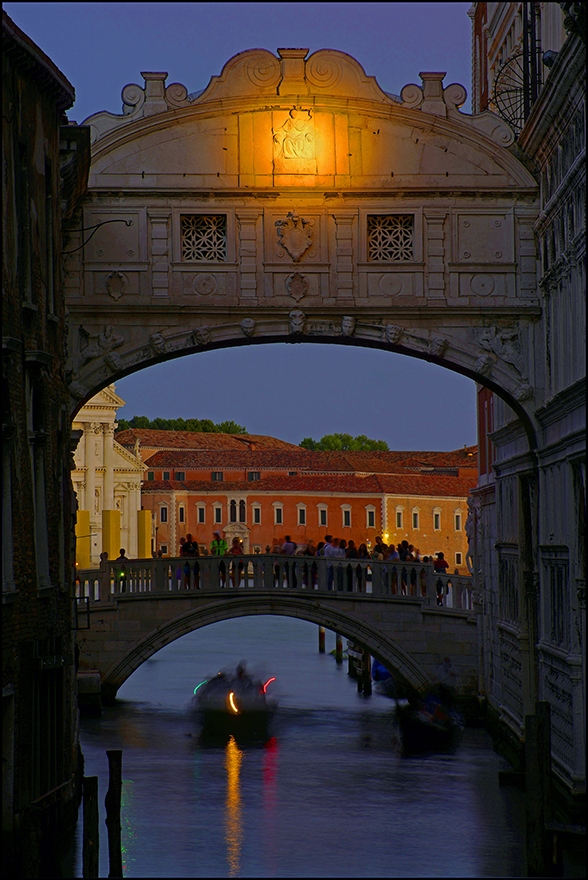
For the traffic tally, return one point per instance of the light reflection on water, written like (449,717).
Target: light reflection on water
(329,795)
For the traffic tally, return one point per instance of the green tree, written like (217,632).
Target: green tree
(197,425)
(345,443)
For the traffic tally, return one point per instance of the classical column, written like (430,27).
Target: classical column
(108,448)
(90,430)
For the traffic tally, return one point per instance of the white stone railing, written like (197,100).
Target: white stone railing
(267,572)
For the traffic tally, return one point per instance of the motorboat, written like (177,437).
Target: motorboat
(429,726)
(234,703)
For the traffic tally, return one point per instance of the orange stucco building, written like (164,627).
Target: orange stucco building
(261,489)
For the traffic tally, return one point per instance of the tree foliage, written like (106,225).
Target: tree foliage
(197,425)
(345,443)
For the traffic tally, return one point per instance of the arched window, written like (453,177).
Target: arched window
(233,511)
(241,511)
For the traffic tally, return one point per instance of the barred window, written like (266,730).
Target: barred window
(204,237)
(390,237)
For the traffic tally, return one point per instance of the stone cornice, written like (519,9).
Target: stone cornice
(561,404)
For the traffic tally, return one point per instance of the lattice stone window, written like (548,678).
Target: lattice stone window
(204,237)
(390,237)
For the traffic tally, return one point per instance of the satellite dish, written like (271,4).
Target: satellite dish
(508,94)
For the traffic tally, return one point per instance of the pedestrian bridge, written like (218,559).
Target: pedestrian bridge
(128,612)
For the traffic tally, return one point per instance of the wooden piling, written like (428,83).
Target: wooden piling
(538,791)
(112,803)
(366,673)
(90,846)
(338,649)
(321,634)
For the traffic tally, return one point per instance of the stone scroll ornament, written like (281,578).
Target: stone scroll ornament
(294,236)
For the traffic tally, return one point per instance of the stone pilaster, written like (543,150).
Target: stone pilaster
(435,254)
(159,226)
(344,254)
(247,221)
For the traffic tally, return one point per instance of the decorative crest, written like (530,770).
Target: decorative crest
(293,235)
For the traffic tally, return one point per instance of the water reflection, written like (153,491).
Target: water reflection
(233,820)
(128,826)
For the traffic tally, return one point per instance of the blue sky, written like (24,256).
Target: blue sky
(288,391)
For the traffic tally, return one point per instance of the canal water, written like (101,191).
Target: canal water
(328,795)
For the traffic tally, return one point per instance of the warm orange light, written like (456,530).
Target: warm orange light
(232,703)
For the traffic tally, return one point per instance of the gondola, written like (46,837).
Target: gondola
(429,727)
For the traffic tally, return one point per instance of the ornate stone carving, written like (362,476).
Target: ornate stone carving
(98,344)
(438,346)
(297,321)
(323,71)
(116,284)
(523,392)
(390,284)
(205,284)
(484,364)
(157,343)
(201,335)
(504,344)
(348,323)
(113,361)
(412,96)
(296,286)
(248,326)
(482,285)
(393,332)
(293,235)
(294,144)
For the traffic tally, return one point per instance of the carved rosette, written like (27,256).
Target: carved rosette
(296,286)
(294,236)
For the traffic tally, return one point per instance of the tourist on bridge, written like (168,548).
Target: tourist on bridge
(236,549)
(122,572)
(218,547)
(190,548)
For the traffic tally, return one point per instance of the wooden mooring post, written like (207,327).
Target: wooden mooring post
(90,846)
(112,803)
(338,649)
(366,673)
(321,634)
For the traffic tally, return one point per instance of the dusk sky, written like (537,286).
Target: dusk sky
(287,391)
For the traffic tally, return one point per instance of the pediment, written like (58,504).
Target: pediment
(293,120)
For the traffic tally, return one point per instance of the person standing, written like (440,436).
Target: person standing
(190,549)
(440,566)
(121,571)
(289,549)
(218,547)
(236,549)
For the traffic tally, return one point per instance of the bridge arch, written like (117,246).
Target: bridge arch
(380,645)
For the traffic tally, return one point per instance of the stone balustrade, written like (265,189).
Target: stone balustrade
(273,573)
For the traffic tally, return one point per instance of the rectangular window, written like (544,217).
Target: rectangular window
(458,522)
(347,518)
(371,519)
(166,475)
(322,517)
(200,514)
(458,559)
(218,515)
(390,237)
(252,476)
(182,514)
(398,519)
(302,517)
(415,520)
(163,548)
(163,514)
(256,515)
(180,475)
(217,476)
(204,239)
(279,516)
(150,476)
(437,522)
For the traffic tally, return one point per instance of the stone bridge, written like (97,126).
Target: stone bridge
(391,609)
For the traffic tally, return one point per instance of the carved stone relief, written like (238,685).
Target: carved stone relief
(296,286)
(157,343)
(248,326)
(95,345)
(201,335)
(294,144)
(393,332)
(438,346)
(205,284)
(348,324)
(297,321)
(504,343)
(116,284)
(294,236)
